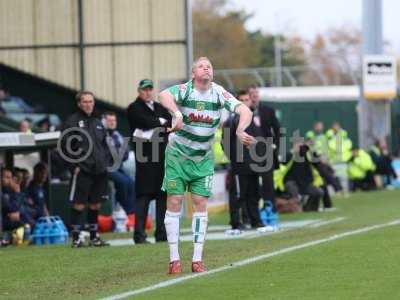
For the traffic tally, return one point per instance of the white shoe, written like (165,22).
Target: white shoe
(233,232)
(268,228)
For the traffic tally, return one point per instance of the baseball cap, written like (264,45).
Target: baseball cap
(146,83)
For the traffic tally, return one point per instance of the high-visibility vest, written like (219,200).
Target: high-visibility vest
(339,146)
(219,155)
(360,165)
(280,174)
(320,142)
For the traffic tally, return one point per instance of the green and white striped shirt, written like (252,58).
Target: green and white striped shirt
(201,117)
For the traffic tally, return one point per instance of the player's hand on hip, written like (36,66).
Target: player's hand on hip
(245,138)
(177,122)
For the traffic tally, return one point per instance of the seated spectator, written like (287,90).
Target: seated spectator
(300,177)
(361,170)
(14,214)
(328,175)
(45,125)
(22,177)
(25,127)
(383,162)
(18,104)
(18,175)
(37,193)
(26,178)
(124,185)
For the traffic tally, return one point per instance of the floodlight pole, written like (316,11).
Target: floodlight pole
(373,115)
(189,37)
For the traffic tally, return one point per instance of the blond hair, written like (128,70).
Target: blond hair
(195,62)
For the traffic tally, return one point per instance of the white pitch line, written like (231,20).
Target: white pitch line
(250,260)
(327,222)
(315,224)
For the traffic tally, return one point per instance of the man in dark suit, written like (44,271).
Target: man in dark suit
(244,189)
(148,122)
(266,118)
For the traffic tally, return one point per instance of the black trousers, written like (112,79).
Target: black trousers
(326,199)
(237,208)
(314,194)
(142,208)
(267,187)
(249,194)
(366,184)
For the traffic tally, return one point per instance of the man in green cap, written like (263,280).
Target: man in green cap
(144,116)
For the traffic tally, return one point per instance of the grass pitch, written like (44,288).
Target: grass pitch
(363,266)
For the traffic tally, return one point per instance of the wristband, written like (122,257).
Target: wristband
(178,114)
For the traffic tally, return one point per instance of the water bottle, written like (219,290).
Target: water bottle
(268,216)
(119,217)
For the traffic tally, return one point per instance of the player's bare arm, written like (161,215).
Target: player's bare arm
(168,101)
(245,115)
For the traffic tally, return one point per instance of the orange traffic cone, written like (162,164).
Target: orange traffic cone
(130,222)
(149,223)
(104,223)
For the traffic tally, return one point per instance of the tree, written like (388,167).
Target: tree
(336,54)
(221,35)
(292,49)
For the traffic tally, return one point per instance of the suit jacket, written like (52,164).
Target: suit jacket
(149,165)
(270,128)
(242,162)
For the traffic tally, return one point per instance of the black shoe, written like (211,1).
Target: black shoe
(238,226)
(161,239)
(98,242)
(78,244)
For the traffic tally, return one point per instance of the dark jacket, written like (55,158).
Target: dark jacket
(149,173)
(99,158)
(301,168)
(242,162)
(270,128)
(15,202)
(38,194)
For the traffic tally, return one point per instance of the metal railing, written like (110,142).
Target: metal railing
(291,76)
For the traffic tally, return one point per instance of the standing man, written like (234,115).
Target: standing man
(145,115)
(196,107)
(265,118)
(240,198)
(318,139)
(85,150)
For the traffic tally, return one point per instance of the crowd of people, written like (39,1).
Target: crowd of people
(24,199)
